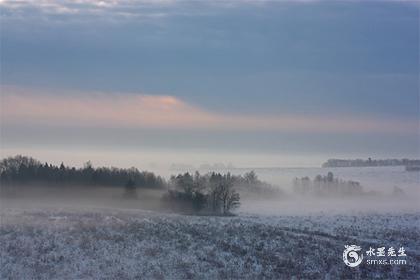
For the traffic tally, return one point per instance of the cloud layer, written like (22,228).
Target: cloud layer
(168,112)
(132,9)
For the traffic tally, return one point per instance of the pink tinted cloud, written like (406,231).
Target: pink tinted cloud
(100,109)
(164,111)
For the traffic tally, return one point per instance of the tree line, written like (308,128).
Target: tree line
(370,162)
(27,170)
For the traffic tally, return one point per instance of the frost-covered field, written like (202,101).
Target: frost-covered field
(116,244)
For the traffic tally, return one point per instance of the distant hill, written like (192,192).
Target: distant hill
(370,162)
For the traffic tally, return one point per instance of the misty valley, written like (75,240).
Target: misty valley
(107,223)
(26,181)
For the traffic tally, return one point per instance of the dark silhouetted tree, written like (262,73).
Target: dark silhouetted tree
(130,189)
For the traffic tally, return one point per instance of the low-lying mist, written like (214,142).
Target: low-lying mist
(73,196)
(27,183)
(284,203)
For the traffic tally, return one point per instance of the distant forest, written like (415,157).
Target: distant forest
(27,170)
(370,162)
(326,185)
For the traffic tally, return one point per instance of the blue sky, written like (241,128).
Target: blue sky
(265,59)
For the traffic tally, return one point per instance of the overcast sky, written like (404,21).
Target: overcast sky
(254,83)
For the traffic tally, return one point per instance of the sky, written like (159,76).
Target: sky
(252,83)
